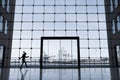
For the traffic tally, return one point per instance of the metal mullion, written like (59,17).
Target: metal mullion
(21,28)
(87,31)
(98,29)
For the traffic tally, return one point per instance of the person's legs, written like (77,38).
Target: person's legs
(26,64)
(21,65)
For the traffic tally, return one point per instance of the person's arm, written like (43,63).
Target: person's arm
(19,57)
(27,56)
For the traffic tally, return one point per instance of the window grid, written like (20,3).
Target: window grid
(59,25)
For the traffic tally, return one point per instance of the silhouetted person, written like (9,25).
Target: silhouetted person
(23,59)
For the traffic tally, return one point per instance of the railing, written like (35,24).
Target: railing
(84,62)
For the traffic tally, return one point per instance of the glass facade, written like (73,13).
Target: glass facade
(83,18)
(113,27)
(116,3)
(1,54)
(8,5)
(118,54)
(113,4)
(3,3)
(1,23)
(6,27)
(118,23)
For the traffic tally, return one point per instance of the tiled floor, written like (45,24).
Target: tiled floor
(58,74)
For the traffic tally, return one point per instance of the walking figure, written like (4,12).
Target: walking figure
(23,59)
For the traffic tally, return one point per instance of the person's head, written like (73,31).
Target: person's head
(24,52)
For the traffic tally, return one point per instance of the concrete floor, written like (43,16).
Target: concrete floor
(59,74)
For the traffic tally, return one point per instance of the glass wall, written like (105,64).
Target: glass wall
(113,27)
(3,3)
(116,24)
(1,54)
(1,23)
(113,4)
(8,5)
(6,27)
(118,54)
(60,53)
(83,18)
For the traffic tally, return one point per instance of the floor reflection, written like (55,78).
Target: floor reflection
(23,74)
(60,74)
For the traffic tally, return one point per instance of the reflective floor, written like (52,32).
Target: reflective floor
(59,74)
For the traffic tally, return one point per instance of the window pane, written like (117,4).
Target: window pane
(71,25)
(84,44)
(16,44)
(84,53)
(60,2)
(49,17)
(81,17)
(60,9)
(93,34)
(6,27)
(1,54)
(37,26)
(48,33)
(70,2)
(93,26)
(16,34)
(47,2)
(38,9)
(59,25)
(113,27)
(28,2)
(49,26)
(38,17)
(18,9)
(1,23)
(118,23)
(38,2)
(82,34)
(37,34)
(26,44)
(26,34)
(8,5)
(118,54)
(26,26)
(93,2)
(3,3)
(82,25)
(94,43)
(59,33)
(27,17)
(49,9)
(70,17)
(92,9)
(92,17)
(70,9)
(81,9)
(36,44)
(60,17)
(27,9)
(71,33)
